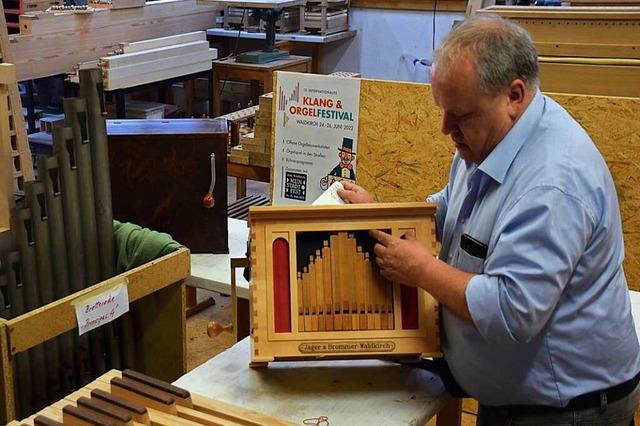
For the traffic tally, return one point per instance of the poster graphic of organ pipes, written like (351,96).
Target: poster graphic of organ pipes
(316,135)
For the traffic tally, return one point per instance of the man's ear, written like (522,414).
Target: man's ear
(517,94)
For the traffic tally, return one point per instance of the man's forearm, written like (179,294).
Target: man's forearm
(447,284)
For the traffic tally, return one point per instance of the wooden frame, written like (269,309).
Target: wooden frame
(356,312)
(7,77)
(162,319)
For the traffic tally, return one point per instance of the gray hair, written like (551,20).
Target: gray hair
(503,52)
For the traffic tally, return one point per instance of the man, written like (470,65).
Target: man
(536,314)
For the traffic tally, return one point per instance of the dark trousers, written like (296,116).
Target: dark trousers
(617,413)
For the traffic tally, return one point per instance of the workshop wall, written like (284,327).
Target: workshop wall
(383,37)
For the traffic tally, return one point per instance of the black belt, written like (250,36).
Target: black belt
(583,402)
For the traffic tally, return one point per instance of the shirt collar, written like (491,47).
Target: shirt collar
(499,160)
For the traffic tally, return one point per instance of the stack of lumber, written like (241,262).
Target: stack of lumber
(157,59)
(324,16)
(256,146)
(55,44)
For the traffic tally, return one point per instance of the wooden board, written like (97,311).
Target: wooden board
(589,78)
(137,46)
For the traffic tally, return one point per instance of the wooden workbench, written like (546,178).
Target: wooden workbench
(256,73)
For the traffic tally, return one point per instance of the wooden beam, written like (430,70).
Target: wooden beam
(586,50)
(154,43)
(6,166)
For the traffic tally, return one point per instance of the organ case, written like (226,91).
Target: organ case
(316,291)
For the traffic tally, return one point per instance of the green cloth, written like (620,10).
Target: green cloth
(136,246)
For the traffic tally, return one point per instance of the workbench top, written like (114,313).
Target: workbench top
(348,393)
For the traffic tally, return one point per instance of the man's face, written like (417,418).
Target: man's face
(477,122)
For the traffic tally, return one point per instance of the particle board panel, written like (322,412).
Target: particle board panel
(402,156)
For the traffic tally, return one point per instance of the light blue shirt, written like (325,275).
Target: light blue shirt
(550,301)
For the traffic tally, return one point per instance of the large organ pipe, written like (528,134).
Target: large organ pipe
(11,266)
(36,200)
(63,148)
(22,230)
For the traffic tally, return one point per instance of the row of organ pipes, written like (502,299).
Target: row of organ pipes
(341,289)
(61,242)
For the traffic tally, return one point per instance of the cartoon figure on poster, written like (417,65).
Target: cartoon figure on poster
(345,170)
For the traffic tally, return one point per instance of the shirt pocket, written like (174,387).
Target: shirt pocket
(469,263)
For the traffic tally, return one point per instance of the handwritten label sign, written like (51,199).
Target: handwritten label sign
(101,306)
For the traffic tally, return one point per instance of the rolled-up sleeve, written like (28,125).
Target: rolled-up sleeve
(536,248)
(441,212)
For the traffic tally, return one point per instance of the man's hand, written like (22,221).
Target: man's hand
(403,260)
(354,194)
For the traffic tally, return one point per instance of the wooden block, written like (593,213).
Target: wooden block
(137,411)
(47,123)
(182,396)
(120,417)
(143,395)
(79,416)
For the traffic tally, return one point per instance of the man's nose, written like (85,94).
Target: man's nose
(447,125)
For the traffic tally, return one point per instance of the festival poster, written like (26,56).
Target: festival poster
(316,135)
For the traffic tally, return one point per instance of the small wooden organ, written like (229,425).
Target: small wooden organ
(129,398)
(316,291)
